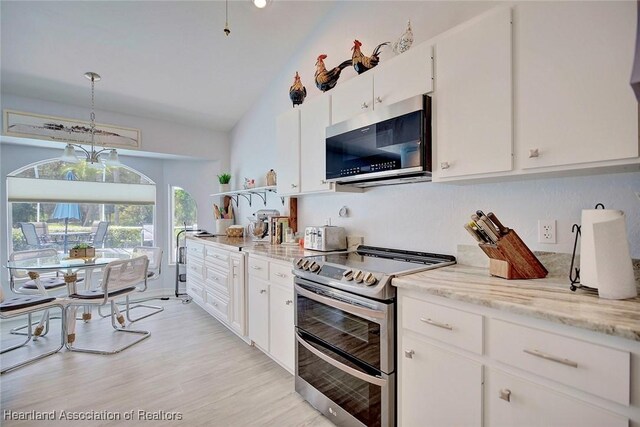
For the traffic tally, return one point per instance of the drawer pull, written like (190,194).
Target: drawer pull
(281,275)
(255,267)
(505,394)
(263,291)
(550,357)
(438,324)
(409,354)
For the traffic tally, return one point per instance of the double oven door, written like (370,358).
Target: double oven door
(345,357)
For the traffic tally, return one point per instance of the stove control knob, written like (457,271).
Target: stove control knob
(348,275)
(358,276)
(370,279)
(306,264)
(314,267)
(300,262)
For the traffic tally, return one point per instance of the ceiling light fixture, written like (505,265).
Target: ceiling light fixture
(226,30)
(260,4)
(93,156)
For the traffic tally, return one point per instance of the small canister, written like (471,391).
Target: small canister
(271,177)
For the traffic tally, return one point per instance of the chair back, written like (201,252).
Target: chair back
(42,230)
(30,234)
(28,255)
(155,258)
(100,234)
(146,234)
(125,273)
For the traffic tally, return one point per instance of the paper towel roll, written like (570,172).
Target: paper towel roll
(605,262)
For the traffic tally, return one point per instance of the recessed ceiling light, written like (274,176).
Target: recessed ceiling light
(260,3)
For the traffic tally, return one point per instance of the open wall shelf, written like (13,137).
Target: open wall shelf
(248,194)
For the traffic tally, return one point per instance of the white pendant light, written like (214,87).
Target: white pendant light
(260,4)
(92,157)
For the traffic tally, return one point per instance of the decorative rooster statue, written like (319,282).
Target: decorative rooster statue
(363,63)
(327,79)
(405,41)
(297,92)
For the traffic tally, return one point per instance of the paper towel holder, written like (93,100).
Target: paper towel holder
(574,273)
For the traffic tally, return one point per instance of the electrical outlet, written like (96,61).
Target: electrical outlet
(546,231)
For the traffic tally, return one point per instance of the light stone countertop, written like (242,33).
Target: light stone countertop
(279,252)
(549,298)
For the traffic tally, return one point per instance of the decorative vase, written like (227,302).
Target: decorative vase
(271,177)
(224,188)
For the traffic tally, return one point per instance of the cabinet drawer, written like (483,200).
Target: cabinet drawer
(281,274)
(217,256)
(217,280)
(217,305)
(195,270)
(599,370)
(512,401)
(195,250)
(196,291)
(258,268)
(451,326)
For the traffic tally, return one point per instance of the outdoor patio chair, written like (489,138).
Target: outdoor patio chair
(31,236)
(99,233)
(27,305)
(120,279)
(42,230)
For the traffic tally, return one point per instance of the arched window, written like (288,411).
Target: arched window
(66,202)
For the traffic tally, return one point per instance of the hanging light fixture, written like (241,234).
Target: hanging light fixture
(260,4)
(226,30)
(93,156)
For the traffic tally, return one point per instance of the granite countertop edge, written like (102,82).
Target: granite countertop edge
(548,299)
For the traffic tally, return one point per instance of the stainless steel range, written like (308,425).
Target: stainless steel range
(345,331)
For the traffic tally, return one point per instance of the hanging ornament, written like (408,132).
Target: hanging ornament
(405,41)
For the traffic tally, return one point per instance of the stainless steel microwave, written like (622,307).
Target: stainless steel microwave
(390,145)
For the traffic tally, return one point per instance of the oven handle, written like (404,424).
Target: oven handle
(366,313)
(348,369)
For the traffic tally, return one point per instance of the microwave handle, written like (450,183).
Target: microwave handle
(348,369)
(365,313)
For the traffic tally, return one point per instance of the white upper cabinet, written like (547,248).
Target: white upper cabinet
(573,101)
(352,97)
(406,75)
(315,116)
(288,152)
(473,98)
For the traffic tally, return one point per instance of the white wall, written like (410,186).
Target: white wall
(195,176)
(423,216)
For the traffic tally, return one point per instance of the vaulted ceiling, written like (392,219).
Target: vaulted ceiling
(168,60)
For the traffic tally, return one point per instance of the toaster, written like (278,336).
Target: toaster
(325,238)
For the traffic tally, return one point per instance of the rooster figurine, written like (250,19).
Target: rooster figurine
(363,63)
(297,92)
(327,79)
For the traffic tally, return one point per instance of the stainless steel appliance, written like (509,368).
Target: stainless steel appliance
(258,227)
(325,238)
(389,145)
(345,331)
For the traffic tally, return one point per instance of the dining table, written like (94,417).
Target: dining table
(69,267)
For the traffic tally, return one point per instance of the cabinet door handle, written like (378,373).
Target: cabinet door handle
(378,100)
(551,357)
(255,267)
(288,302)
(263,291)
(445,165)
(505,394)
(294,186)
(534,152)
(364,106)
(409,354)
(438,324)
(281,275)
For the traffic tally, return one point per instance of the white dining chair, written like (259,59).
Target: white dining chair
(22,305)
(120,278)
(155,271)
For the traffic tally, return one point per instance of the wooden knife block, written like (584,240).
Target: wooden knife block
(510,258)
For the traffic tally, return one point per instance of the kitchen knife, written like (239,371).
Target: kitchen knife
(503,230)
(486,228)
(495,229)
(473,233)
(481,233)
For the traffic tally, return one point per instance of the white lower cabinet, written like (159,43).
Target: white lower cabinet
(271,308)
(439,388)
(530,373)
(512,401)
(281,337)
(259,312)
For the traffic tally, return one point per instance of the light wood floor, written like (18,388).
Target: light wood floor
(191,364)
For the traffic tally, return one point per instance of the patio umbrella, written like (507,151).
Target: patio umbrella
(67,211)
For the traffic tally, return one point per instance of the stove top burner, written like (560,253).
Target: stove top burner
(368,270)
